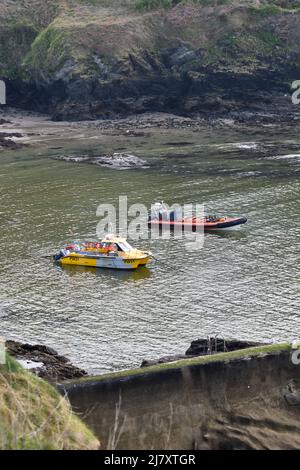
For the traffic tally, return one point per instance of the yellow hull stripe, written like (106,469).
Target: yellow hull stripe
(109,262)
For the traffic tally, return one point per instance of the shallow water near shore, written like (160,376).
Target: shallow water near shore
(241,285)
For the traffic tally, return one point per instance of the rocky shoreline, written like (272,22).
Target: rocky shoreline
(137,125)
(12,136)
(19,128)
(44,361)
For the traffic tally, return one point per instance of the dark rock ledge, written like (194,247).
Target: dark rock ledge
(204,347)
(49,365)
(44,361)
(7,142)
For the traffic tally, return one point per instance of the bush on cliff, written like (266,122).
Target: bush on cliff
(150,4)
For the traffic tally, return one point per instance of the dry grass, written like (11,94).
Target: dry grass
(34,416)
(46,34)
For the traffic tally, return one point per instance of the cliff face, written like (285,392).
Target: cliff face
(243,400)
(89,59)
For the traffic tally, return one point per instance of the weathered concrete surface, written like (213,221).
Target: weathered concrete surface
(242,400)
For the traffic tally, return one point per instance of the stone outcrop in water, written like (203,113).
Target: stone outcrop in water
(213,345)
(4,121)
(85,60)
(118,161)
(7,141)
(205,347)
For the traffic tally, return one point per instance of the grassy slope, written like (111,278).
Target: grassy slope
(234,35)
(34,416)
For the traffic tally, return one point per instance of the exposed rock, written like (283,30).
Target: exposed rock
(204,347)
(197,60)
(292,394)
(132,133)
(4,121)
(162,360)
(10,135)
(7,142)
(118,161)
(180,55)
(49,364)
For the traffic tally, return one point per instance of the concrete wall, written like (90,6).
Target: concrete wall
(246,402)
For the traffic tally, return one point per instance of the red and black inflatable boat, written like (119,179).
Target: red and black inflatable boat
(169,219)
(223,223)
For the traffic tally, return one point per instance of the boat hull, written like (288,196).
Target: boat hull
(195,225)
(108,262)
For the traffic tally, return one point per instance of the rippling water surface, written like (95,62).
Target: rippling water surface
(243,285)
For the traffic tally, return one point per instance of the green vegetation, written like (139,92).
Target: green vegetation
(209,3)
(49,50)
(254,42)
(286,4)
(276,7)
(264,8)
(243,49)
(16,38)
(151,4)
(34,416)
(43,40)
(41,12)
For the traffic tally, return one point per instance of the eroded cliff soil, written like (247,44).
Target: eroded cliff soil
(240,400)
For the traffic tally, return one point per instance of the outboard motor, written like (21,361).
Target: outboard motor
(159,211)
(60,255)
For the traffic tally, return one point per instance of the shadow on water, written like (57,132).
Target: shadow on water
(125,275)
(230,234)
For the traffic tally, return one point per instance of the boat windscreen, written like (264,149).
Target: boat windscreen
(125,246)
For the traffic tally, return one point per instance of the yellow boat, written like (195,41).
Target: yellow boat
(112,252)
